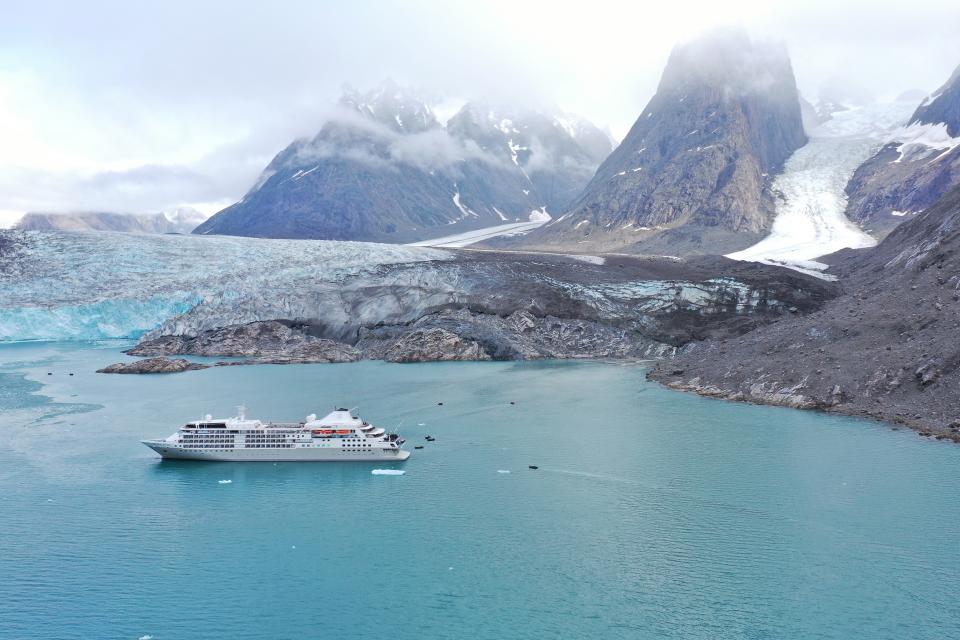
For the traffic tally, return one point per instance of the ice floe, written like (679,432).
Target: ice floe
(388,472)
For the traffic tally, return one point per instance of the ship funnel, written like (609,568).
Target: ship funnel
(242,412)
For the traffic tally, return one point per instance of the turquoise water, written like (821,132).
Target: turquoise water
(653,514)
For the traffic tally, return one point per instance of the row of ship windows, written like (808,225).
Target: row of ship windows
(232,440)
(250,446)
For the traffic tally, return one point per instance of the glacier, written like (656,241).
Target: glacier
(810,218)
(90,286)
(472,237)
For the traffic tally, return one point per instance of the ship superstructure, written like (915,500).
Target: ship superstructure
(339,435)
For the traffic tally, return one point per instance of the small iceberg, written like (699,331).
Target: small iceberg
(225,481)
(503,471)
(388,472)
(147,637)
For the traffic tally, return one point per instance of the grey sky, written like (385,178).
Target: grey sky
(138,107)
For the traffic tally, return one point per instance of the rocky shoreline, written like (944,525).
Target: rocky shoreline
(771,392)
(886,348)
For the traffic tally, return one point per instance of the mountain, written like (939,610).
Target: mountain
(887,348)
(557,155)
(914,169)
(180,220)
(693,174)
(383,168)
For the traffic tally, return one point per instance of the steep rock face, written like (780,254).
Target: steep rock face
(919,164)
(272,340)
(181,220)
(887,348)
(384,168)
(432,345)
(696,166)
(556,155)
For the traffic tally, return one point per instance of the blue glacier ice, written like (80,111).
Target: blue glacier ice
(89,286)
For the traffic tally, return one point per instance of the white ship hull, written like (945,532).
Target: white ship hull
(339,436)
(304,454)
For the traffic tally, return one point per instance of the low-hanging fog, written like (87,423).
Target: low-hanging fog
(122,106)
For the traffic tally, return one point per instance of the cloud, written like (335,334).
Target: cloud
(351,135)
(211,91)
(437,150)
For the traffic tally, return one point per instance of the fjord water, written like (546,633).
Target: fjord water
(653,514)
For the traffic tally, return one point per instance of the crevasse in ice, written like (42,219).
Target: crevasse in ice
(96,286)
(113,285)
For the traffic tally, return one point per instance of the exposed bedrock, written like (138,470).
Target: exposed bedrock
(272,340)
(887,348)
(484,305)
(153,365)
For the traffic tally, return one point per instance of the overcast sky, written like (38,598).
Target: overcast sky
(130,106)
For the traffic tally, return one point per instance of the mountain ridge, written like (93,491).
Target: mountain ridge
(384,168)
(693,173)
(914,169)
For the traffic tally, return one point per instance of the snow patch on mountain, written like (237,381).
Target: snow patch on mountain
(919,140)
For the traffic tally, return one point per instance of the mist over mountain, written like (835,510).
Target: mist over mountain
(384,168)
(693,174)
(914,169)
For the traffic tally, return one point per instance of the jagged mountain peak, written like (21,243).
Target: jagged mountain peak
(943,107)
(383,168)
(400,108)
(918,164)
(553,131)
(725,118)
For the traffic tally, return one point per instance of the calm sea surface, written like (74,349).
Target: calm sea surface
(653,514)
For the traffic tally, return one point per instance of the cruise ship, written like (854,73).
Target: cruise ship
(340,435)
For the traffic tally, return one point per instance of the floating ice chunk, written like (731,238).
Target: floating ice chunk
(388,472)
(225,481)
(503,471)
(421,424)
(146,637)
